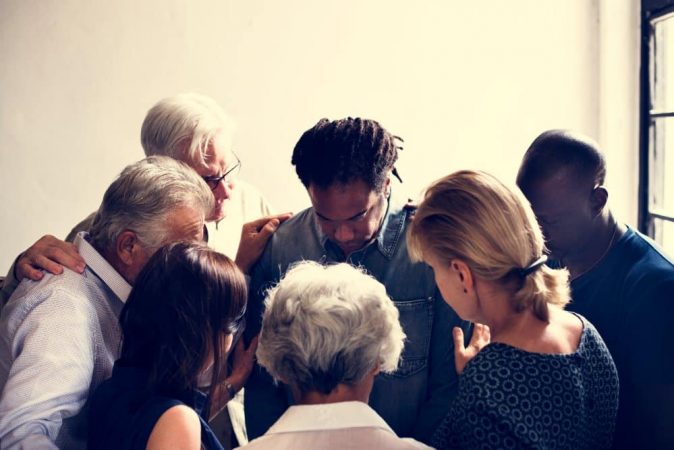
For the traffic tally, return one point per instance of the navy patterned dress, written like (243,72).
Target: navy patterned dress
(511,398)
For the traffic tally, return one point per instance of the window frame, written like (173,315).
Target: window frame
(650,10)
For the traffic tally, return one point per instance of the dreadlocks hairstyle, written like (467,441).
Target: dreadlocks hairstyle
(346,150)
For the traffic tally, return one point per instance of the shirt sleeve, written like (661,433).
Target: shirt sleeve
(52,354)
(442,378)
(9,284)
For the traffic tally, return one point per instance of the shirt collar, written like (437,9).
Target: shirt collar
(328,416)
(102,268)
(391,230)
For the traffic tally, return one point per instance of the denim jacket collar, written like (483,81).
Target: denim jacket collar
(389,235)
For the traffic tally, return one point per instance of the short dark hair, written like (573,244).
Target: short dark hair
(346,150)
(553,150)
(183,299)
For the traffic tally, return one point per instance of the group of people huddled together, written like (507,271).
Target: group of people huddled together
(485,316)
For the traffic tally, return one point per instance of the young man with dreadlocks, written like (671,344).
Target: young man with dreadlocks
(346,167)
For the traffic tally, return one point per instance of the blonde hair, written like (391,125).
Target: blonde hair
(471,215)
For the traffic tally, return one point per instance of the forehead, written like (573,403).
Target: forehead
(186,224)
(342,201)
(218,156)
(561,193)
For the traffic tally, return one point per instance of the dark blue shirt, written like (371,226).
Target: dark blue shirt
(629,297)
(511,398)
(123,413)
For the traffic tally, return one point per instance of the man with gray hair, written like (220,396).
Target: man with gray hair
(59,336)
(194,129)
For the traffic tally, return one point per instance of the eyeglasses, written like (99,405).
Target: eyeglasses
(214,181)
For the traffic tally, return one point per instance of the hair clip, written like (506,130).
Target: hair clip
(533,266)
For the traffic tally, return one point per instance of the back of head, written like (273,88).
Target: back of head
(142,197)
(183,126)
(556,150)
(346,150)
(183,301)
(474,217)
(328,325)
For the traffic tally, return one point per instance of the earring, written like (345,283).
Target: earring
(465,291)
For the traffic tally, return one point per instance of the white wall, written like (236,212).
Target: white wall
(466,87)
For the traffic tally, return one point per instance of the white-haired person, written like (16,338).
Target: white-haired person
(194,129)
(327,331)
(546,379)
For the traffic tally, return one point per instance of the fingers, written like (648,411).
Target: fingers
(24,270)
(239,348)
(269,229)
(49,254)
(257,224)
(252,347)
(457,334)
(481,336)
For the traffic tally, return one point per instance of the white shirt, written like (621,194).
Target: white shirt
(343,425)
(245,205)
(59,338)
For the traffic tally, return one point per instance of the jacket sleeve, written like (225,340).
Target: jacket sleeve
(442,379)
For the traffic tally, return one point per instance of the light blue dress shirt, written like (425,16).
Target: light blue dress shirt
(59,338)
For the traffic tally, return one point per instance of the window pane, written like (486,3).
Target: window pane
(663,234)
(661,166)
(662,64)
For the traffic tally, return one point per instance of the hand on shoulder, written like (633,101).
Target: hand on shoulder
(463,354)
(50,254)
(254,237)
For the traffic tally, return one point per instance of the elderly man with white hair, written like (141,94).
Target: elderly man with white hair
(60,336)
(327,331)
(194,129)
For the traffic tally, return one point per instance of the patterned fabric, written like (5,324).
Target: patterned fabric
(510,398)
(59,338)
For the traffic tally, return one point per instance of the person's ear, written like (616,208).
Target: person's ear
(376,369)
(461,269)
(387,186)
(598,199)
(127,247)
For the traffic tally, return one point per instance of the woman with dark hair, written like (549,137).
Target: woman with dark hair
(177,327)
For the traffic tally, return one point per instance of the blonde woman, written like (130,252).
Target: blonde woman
(546,379)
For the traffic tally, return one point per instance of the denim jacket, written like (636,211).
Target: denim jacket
(414,399)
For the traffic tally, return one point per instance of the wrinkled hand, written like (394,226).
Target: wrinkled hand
(462,355)
(50,254)
(254,237)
